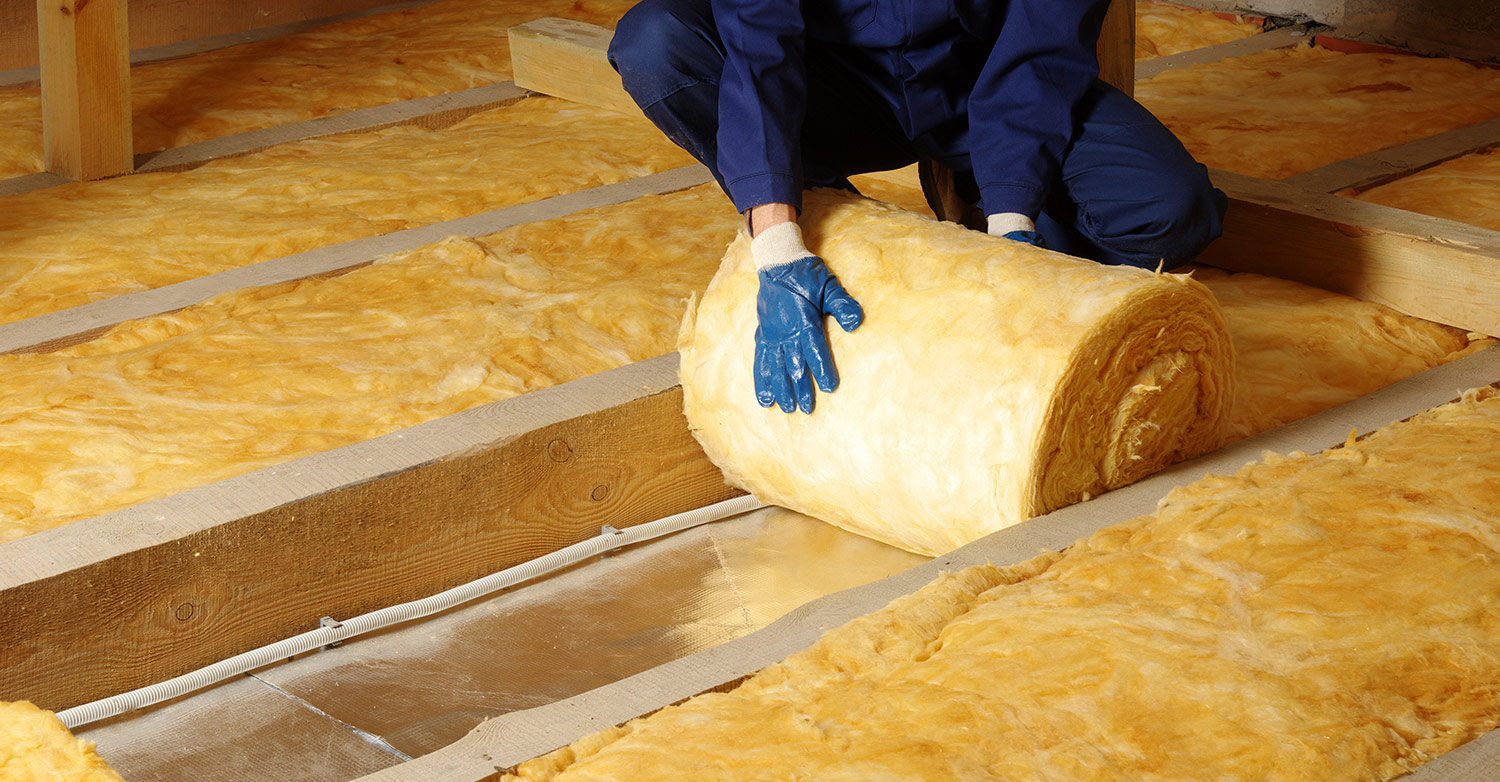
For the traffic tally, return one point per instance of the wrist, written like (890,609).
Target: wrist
(761,217)
(1003,223)
(778,244)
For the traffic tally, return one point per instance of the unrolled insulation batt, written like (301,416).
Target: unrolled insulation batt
(990,382)
(1327,617)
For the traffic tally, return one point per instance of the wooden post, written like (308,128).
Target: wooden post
(85,66)
(1117,46)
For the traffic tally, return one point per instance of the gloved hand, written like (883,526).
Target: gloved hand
(791,347)
(1029,237)
(1015,227)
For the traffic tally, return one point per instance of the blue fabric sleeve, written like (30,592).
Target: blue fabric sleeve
(1022,108)
(762,100)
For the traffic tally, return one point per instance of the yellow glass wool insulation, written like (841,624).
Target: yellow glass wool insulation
(990,382)
(82,242)
(262,376)
(355,64)
(1162,29)
(36,747)
(1466,189)
(1327,618)
(1277,113)
(1300,350)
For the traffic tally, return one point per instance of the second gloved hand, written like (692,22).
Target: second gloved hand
(1015,227)
(791,345)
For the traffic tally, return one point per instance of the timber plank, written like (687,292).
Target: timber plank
(60,329)
(116,602)
(85,73)
(1424,266)
(1381,166)
(568,59)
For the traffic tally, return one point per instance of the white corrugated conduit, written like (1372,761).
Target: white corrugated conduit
(334,632)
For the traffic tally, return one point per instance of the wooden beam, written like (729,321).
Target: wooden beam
(1116,48)
(1429,267)
(85,72)
(109,604)
(1376,168)
(568,59)
(60,329)
(514,738)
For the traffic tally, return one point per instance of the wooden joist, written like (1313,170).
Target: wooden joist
(85,73)
(109,604)
(1384,165)
(1429,267)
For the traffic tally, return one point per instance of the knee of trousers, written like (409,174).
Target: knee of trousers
(657,50)
(1171,228)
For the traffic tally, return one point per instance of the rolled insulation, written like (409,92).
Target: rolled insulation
(990,382)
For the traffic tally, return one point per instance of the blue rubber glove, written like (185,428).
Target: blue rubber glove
(1028,237)
(791,347)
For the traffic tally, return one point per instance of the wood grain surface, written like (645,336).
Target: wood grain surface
(85,70)
(120,601)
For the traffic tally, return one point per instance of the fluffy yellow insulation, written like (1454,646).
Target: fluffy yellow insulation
(82,242)
(428,50)
(263,376)
(1327,618)
(1300,350)
(1277,113)
(1162,29)
(1466,189)
(990,382)
(36,747)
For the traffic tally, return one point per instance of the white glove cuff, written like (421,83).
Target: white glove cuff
(781,243)
(1005,222)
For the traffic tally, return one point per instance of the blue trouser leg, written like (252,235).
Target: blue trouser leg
(670,58)
(1128,192)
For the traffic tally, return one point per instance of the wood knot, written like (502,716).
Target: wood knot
(559,451)
(600,492)
(184,612)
